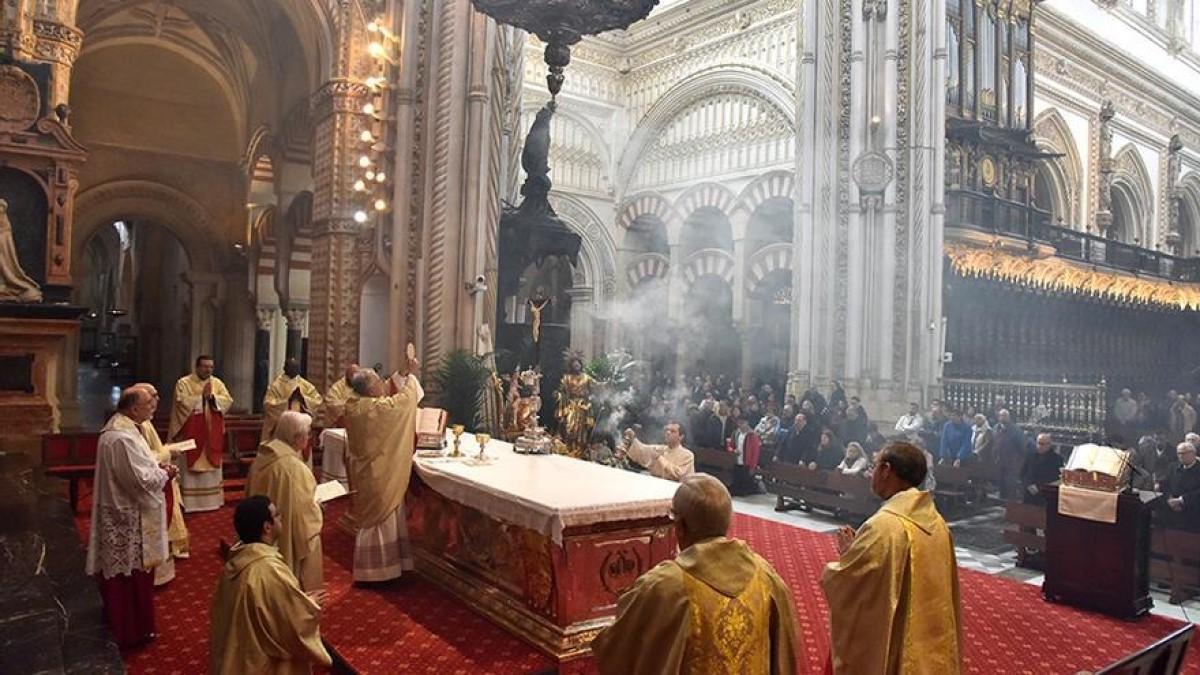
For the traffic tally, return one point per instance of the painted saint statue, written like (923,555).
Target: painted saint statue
(574,408)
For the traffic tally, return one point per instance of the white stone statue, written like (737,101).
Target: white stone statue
(14,283)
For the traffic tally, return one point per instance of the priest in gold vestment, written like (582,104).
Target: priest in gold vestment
(716,608)
(381,434)
(177,534)
(339,393)
(893,594)
(261,621)
(201,402)
(289,391)
(279,472)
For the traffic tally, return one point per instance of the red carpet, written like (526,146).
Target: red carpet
(412,627)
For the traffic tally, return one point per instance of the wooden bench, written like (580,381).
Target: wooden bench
(844,496)
(1175,561)
(1025,529)
(719,463)
(72,457)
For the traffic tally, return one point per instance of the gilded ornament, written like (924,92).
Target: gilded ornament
(987,171)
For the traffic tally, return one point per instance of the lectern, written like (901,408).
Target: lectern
(1097,565)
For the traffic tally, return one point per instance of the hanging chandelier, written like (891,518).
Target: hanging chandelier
(562,23)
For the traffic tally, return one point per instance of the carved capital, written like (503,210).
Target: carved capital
(296,317)
(265,316)
(332,226)
(338,96)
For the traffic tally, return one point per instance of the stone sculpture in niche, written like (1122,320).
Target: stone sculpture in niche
(14,283)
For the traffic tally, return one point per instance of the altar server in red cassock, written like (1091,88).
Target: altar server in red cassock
(128,536)
(201,402)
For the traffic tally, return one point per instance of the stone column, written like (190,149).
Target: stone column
(296,319)
(582,320)
(333,322)
(236,315)
(265,316)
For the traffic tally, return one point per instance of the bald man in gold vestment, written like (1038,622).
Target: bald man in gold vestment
(716,608)
(893,595)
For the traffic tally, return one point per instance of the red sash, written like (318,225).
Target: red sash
(208,430)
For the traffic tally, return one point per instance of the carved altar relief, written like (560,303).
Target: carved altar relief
(19,99)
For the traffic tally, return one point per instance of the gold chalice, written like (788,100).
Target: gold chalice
(483,440)
(457,430)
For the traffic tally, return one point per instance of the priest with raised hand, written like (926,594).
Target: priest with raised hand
(280,473)
(381,433)
(201,401)
(177,533)
(289,391)
(718,607)
(671,461)
(340,392)
(128,534)
(893,594)
(262,622)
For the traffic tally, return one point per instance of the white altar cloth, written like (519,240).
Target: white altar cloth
(544,493)
(333,456)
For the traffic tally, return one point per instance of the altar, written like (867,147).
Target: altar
(541,544)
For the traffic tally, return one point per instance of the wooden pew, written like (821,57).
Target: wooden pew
(72,457)
(847,497)
(1175,561)
(719,463)
(1025,529)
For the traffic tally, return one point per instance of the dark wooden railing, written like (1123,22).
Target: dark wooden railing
(1014,219)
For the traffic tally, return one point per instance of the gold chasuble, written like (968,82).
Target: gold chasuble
(261,621)
(288,393)
(332,415)
(280,473)
(177,533)
(716,608)
(380,434)
(190,418)
(893,595)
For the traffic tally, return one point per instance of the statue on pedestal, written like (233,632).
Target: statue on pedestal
(525,401)
(14,283)
(574,408)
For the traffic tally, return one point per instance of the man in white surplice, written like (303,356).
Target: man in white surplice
(128,537)
(671,461)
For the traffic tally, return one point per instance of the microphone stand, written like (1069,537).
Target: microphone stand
(1126,462)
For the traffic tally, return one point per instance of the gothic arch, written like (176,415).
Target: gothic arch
(766,260)
(185,217)
(648,203)
(748,80)
(710,261)
(1133,185)
(1189,214)
(712,195)
(599,249)
(768,186)
(1064,175)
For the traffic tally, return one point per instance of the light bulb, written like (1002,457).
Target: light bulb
(360,217)
(373,27)
(380,177)
(364,161)
(368,108)
(370,175)
(375,49)
(381,205)
(366,137)
(360,185)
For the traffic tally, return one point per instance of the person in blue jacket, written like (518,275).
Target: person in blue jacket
(956,447)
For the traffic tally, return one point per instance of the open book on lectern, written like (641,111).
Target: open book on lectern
(1098,458)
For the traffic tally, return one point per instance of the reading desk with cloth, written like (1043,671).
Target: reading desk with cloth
(1098,535)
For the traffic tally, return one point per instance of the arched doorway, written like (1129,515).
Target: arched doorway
(135,278)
